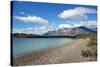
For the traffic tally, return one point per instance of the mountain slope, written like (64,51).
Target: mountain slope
(71,32)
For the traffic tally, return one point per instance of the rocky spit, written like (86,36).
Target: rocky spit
(67,53)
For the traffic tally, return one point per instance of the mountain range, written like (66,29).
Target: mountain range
(68,32)
(72,31)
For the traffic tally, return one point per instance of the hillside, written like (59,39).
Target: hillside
(71,31)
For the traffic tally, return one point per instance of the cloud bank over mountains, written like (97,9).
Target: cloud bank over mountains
(45,28)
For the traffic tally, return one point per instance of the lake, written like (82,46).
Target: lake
(25,45)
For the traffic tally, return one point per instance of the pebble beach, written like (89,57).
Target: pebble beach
(67,53)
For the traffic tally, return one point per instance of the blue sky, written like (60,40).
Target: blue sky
(38,18)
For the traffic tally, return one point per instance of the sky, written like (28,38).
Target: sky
(38,18)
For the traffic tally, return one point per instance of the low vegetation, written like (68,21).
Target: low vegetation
(92,45)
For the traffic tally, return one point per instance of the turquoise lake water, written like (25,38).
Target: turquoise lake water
(25,45)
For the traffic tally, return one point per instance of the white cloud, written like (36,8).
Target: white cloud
(34,19)
(35,30)
(92,23)
(64,26)
(77,24)
(76,13)
(23,30)
(89,23)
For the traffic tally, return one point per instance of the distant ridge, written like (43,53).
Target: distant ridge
(64,32)
(71,32)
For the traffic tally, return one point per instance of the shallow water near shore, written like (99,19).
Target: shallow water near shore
(25,45)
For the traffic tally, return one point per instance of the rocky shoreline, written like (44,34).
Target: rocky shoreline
(63,54)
